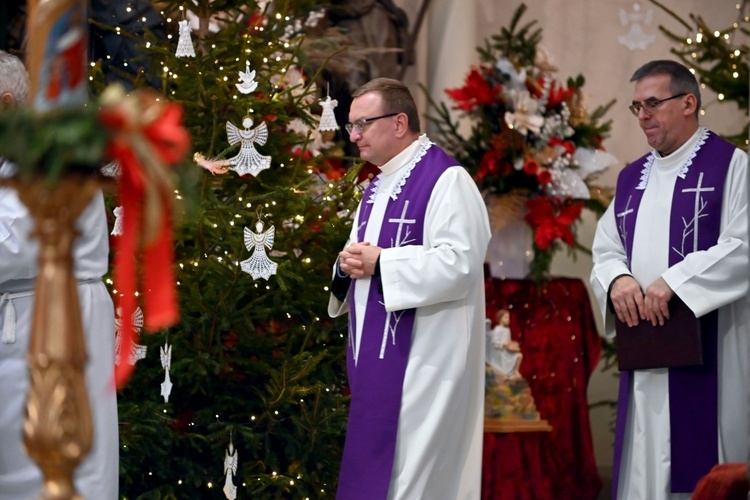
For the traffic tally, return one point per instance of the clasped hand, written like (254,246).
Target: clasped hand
(632,305)
(359,259)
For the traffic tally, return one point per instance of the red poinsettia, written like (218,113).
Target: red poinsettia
(557,92)
(492,164)
(568,146)
(552,221)
(477,92)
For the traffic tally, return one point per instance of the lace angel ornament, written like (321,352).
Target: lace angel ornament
(247,80)
(185,42)
(259,265)
(137,352)
(166,362)
(328,119)
(117,226)
(248,160)
(230,468)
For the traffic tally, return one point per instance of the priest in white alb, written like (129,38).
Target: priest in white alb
(411,279)
(678,228)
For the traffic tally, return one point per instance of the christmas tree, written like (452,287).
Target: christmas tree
(718,57)
(248,391)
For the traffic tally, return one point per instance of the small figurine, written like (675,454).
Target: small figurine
(503,353)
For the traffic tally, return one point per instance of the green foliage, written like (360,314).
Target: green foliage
(252,360)
(719,62)
(52,143)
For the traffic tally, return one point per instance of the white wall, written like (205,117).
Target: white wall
(582,37)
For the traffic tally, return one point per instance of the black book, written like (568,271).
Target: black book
(677,343)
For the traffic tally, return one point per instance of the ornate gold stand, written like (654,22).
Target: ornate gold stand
(57,426)
(498,425)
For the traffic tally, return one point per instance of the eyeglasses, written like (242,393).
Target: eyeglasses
(650,105)
(359,125)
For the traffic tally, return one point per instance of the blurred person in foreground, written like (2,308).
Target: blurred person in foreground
(97,476)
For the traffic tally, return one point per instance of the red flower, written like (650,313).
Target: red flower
(544,176)
(367,172)
(551,222)
(476,92)
(530,167)
(558,94)
(492,164)
(568,146)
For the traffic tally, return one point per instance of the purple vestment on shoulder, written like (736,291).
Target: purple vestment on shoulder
(695,222)
(376,377)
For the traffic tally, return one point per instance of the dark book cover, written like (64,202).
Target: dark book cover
(676,343)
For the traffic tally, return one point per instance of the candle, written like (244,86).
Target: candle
(56,55)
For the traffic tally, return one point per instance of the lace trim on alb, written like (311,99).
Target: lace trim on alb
(646,170)
(406,172)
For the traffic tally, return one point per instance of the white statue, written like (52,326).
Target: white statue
(503,353)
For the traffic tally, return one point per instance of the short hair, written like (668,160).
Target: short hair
(396,98)
(680,78)
(14,79)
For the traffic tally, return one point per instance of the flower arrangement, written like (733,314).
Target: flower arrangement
(532,141)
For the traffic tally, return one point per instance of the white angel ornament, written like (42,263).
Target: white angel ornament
(166,363)
(328,119)
(137,351)
(117,226)
(230,468)
(248,160)
(259,265)
(185,42)
(247,80)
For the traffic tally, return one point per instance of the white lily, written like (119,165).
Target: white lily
(524,119)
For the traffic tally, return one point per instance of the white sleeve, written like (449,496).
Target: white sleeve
(610,261)
(447,264)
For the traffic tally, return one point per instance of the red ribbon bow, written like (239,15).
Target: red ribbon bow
(147,138)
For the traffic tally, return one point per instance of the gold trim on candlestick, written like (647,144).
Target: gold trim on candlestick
(58,425)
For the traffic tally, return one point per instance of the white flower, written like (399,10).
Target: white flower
(543,60)
(524,119)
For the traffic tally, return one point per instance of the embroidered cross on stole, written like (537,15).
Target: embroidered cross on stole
(376,378)
(694,225)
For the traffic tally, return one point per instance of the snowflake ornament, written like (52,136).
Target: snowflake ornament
(137,351)
(247,80)
(185,42)
(259,265)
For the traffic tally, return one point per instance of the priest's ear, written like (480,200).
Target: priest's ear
(690,105)
(402,125)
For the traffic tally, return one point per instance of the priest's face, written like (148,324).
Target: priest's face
(670,123)
(376,141)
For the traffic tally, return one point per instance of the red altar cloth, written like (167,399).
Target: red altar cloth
(555,327)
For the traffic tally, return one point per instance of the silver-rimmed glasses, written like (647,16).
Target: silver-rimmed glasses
(359,125)
(650,105)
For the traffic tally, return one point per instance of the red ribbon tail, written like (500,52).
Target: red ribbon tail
(160,299)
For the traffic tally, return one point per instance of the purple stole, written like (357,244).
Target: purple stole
(376,379)
(694,225)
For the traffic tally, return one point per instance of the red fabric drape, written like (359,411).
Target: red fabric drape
(555,327)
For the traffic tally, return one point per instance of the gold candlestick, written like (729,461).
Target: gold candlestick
(58,425)
(57,428)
